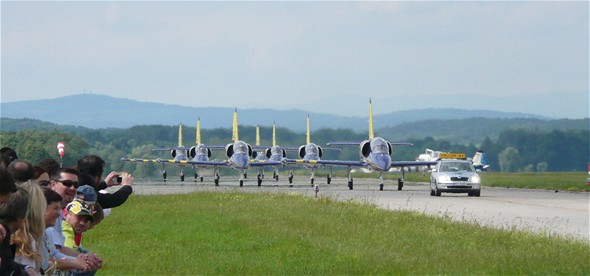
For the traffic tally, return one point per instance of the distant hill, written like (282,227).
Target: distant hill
(100,111)
(474,130)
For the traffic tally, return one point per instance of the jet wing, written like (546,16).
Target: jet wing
(412,163)
(139,160)
(326,162)
(262,163)
(198,163)
(172,148)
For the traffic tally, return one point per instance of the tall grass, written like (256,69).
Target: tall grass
(278,234)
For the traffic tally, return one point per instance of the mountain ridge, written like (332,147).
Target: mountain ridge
(101,111)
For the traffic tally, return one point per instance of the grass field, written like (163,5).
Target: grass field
(279,234)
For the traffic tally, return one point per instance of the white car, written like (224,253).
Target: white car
(454,176)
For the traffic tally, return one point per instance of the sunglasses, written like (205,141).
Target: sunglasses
(69,183)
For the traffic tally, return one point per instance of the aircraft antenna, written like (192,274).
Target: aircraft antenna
(199,131)
(308,131)
(371,132)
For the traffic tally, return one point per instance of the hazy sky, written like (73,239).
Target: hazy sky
(326,57)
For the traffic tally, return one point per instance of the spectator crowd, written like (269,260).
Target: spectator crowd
(45,210)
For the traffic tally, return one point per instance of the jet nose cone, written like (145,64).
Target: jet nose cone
(382,161)
(242,161)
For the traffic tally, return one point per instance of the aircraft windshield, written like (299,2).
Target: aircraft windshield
(276,151)
(311,150)
(379,145)
(240,147)
(202,150)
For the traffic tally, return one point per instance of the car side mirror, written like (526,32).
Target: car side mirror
(433,170)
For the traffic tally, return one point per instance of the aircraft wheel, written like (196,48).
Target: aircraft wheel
(381,187)
(312,182)
(245,175)
(182,177)
(216,181)
(350,184)
(241,183)
(164,174)
(400,184)
(277,177)
(259,178)
(290,179)
(202,179)
(329,180)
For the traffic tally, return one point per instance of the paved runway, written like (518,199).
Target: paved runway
(557,213)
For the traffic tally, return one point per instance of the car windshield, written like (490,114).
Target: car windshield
(455,167)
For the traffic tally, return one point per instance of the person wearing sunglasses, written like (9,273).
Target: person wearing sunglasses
(65,183)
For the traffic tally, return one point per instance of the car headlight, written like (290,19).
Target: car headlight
(443,179)
(475,179)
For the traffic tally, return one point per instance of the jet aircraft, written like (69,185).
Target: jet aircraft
(479,161)
(375,154)
(310,156)
(275,153)
(179,153)
(238,153)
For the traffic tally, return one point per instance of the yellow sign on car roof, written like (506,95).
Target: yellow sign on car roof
(448,155)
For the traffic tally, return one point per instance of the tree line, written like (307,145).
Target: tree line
(515,150)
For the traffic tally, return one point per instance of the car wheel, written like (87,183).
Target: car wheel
(431,190)
(436,191)
(477,193)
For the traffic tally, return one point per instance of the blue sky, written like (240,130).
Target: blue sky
(325,57)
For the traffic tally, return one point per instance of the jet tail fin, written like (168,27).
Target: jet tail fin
(479,160)
(235,136)
(274,135)
(198,131)
(371,132)
(180,135)
(257,135)
(308,140)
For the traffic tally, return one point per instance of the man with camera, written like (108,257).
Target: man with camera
(94,165)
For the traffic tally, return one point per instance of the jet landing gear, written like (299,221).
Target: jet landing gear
(291,178)
(400,181)
(350,184)
(259,179)
(164,174)
(216,177)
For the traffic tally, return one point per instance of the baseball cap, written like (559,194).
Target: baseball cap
(80,208)
(86,193)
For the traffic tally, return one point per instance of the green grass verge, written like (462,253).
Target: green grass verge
(278,234)
(565,181)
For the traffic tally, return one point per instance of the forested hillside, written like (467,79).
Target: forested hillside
(529,147)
